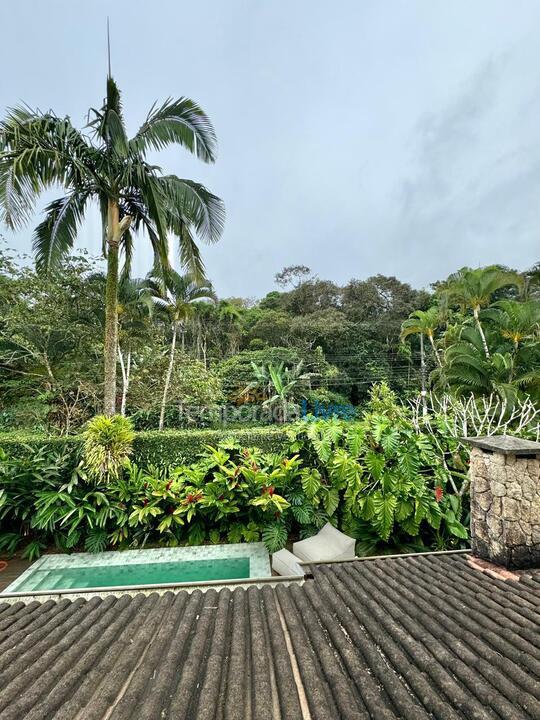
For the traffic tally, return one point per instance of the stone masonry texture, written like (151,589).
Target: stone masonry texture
(505,508)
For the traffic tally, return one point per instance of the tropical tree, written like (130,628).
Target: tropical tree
(423,323)
(280,383)
(518,321)
(176,296)
(42,150)
(230,316)
(474,290)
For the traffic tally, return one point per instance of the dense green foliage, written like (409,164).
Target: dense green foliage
(382,479)
(51,347)
(107,444)
(152,447)
(102,165)
(483,334)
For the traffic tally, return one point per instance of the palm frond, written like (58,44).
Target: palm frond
(190,202)
(38,151)
(180,122)
(55,236)
(108,123)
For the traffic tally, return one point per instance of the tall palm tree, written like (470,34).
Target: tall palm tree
(423,323)
(41,150)
(175,296)
(230,315)
(474,290)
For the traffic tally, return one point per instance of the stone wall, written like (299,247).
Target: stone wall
(505,508)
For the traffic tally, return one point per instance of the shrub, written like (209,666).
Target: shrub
(22,478)
(184,446)
(381,479)
(387,480)
(154,447)
(108,442)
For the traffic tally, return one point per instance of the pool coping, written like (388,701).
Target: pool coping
(259,565)
(203,585)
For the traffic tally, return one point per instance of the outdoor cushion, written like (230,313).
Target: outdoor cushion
(327,544)
(285,563)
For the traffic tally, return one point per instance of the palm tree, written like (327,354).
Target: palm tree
(518,321)
(175,296)
(230,315)
(41,150)
(474,290)
(281,385)
(423,322)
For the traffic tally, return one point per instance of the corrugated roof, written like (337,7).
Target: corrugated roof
(416,637)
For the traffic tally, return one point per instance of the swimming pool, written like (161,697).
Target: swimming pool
(139,568)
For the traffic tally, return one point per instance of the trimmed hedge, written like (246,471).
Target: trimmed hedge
(155,447)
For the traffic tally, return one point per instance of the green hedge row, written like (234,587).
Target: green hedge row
(158,448)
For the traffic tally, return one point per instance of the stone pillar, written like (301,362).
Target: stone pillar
(505,500)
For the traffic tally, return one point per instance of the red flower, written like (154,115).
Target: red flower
(438,493)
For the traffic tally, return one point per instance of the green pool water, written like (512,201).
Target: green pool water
(137,574)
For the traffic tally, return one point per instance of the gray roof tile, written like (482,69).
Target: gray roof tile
(414,637)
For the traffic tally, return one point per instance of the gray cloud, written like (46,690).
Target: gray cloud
(389,136)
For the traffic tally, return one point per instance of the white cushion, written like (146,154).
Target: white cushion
(285,563)
(327,544)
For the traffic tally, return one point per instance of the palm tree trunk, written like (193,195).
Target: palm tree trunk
(125,368)
(423,374)
(439,363)
(168,378)
(111,310)
(481,331)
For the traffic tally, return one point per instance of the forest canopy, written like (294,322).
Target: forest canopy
(339,340)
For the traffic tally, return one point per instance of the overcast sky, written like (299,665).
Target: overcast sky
(355,137)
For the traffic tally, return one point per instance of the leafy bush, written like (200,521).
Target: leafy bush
(184,446)
(387,481)
(381,479)
(22,480)
(108,442)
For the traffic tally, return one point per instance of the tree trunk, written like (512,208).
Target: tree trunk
(168,379)
(111,309)
(481,331)
(125,367)
(423,374)
(115,230)
(439,363)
